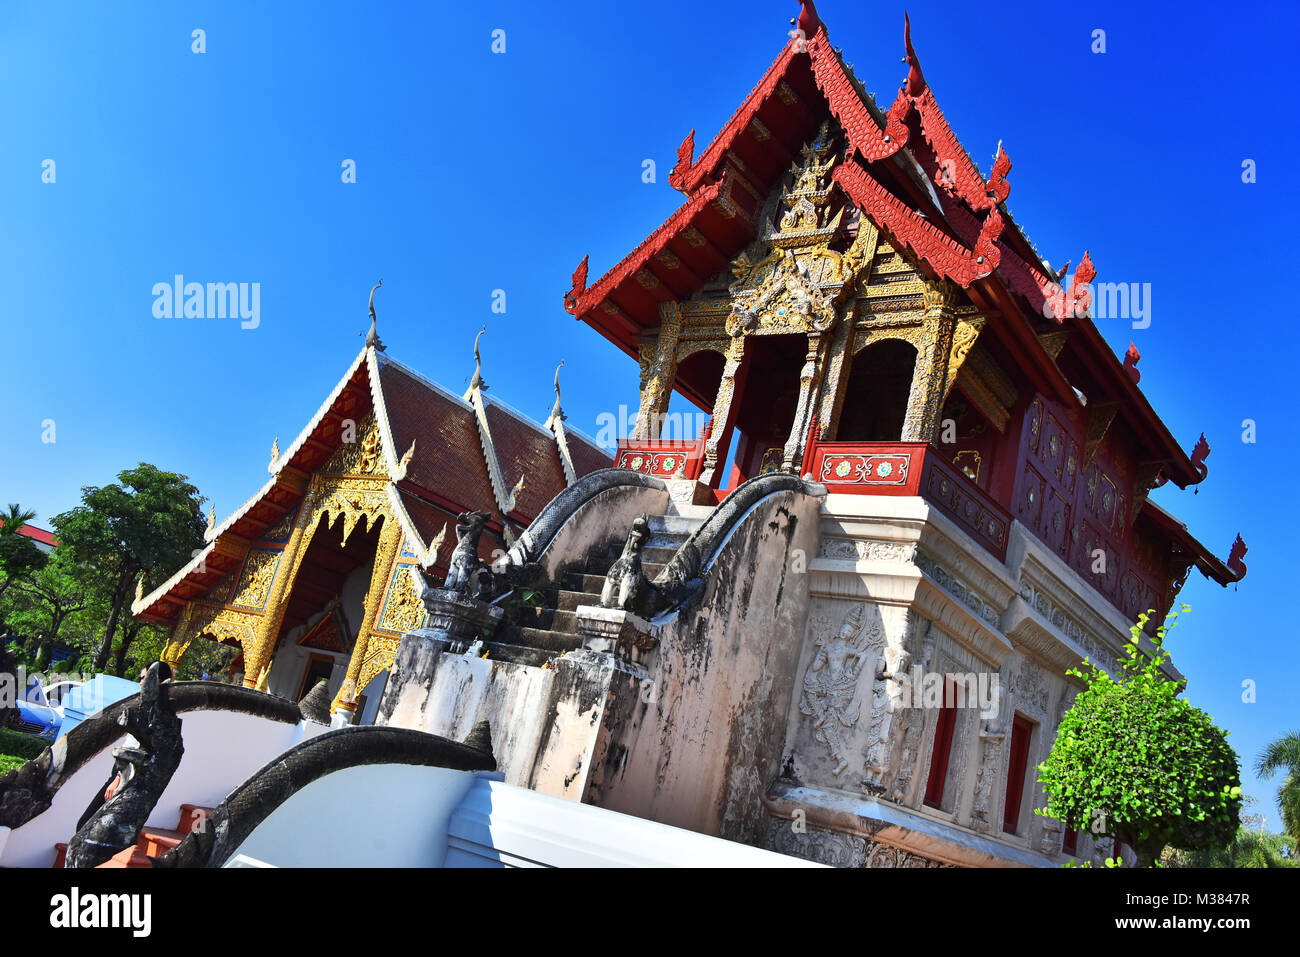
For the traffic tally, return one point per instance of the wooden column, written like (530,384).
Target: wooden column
(724,412)
(809,386)
(304,527)
(835,383)
(390,540)
(178,642)
(659,373)
(930,376)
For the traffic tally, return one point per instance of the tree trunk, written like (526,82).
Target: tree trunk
(106,645)
(128,638)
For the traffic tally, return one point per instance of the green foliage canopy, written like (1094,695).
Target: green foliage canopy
(1134,761)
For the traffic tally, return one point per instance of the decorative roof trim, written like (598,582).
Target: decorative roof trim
(555,422)
(1209,564)
(286,456)
(425,554)
(579,300)
(396,466)
(940,251)
(474,396)
(688,177)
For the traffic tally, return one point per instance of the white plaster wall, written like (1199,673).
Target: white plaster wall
(374,693)
(379,815)
(222,748)
(512,698)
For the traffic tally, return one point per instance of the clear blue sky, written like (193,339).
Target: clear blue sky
(478,171)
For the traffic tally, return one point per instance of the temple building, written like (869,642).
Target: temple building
(311,577)
(923,465)
(837,624)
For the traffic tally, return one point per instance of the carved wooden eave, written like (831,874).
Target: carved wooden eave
(1210,565)
(1054,342)
(1100,416)
(989,389)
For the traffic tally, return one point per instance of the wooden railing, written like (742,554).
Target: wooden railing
(911,468)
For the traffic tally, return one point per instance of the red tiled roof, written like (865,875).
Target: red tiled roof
(448,457)
(39,535)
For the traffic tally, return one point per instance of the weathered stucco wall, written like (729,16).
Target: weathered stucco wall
(696,742)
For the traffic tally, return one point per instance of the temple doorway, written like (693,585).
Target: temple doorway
(876,396)
(766,405)
(325,609)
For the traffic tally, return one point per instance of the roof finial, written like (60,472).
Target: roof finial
(275,450)
(477,383)
(557,414)
(808,19)
(915,79)
(372,337)
(212,523)
(1131,362)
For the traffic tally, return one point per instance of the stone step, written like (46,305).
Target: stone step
(570,600)
(696,513)
(589,584)
(656,556)
(537,638)
(677,524)
(519,654)
(554,619)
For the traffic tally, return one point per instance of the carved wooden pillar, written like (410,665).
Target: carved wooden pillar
(304,527)
(839,366)
(658,373)
(724,412)
(930,376)
(804,410)
(390,540)
(178,642)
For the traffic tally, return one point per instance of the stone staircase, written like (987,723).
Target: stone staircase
(153,841)
(546,627)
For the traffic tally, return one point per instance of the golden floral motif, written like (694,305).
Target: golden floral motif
(258,574)
(363,455)
(404,611)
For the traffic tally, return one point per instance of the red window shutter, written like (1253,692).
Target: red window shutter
(943,731)
(1020,732)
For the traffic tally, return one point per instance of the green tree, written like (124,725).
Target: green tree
(1250,848)
(149,522)
(1284,755)
(19,555)
(55,593)
(1135,762)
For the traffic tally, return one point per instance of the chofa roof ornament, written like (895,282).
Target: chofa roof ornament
(372,337)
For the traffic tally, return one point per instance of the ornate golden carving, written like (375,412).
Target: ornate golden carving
(365,456)
(403,611)
(258,575)
(282,528)
(660,373)
(689,347)
(931,370)
(963,340)
(372,652)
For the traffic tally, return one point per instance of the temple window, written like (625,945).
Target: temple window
(1022,730)
(941,753)
(876,396)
